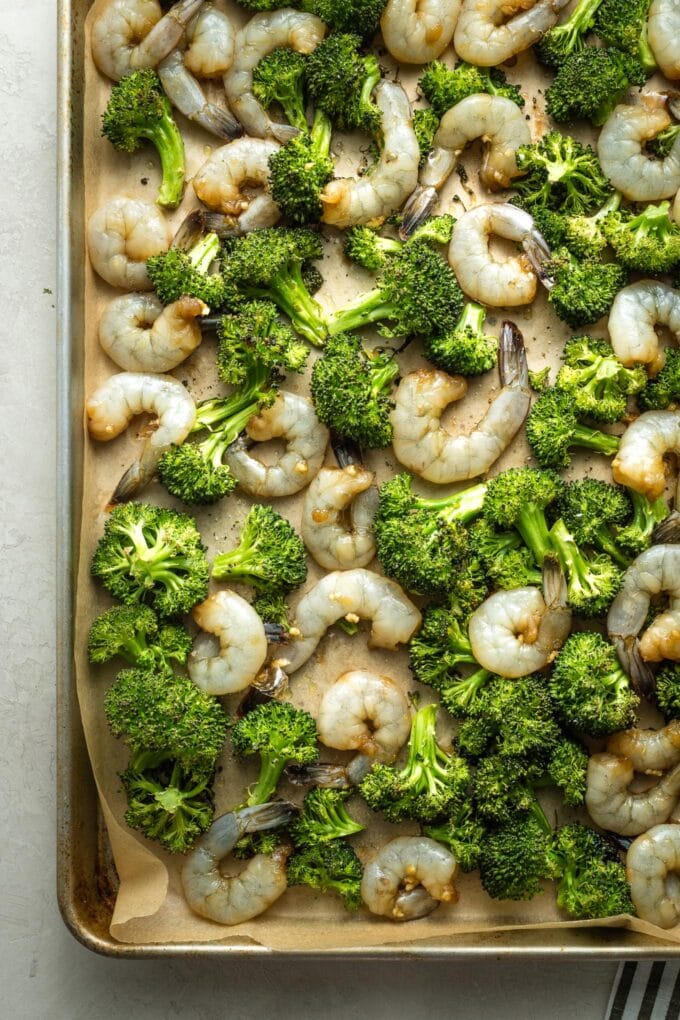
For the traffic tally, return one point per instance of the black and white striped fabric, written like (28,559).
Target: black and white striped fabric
(645,991)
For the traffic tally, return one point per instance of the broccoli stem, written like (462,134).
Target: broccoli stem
(461,693)
(216,445)
(367,308)
(270,773)
(240,562)
(652,220)
(645,52)
(570,556)
(165,135)
(606,542)
(204,253)
(290,293)
(321,134)
(533,528)
(384,370)
(459,506)
(594,439)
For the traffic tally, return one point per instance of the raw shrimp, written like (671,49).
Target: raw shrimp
(639,177)
(663,34)
(114,404)
(334,543)
(652,870)
(352,595)
(649,751)
(348,201)
(636,310)
(141,335)
(426,447)
(498,122)
(294,419)
(417,31)
(612,806)
(243,644)
(210,37)
(222,181)
(408,877)
(265,32)
(500,282)
(489,32)
(514,633)
(259,883)
(187,96)
(121,235)
(128,35)
(639,462)
(366,712)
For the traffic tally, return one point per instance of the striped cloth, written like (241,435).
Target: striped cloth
(645,991)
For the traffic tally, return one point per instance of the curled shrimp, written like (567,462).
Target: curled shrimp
(114,404)
(498,122)
(366,712)
(417,31)
(612,806)
(265,32)
(334,543)
(408,878)
(121,235)
(355,595)
(649,751)
(639,461)
(426,447)
(128,35)
(653,873)
(141,335)
(636,310)
(348,201)
(500,282)
(663,35)
(639,177)
(489,32)
(224,181)
(514,633)
(243,644)
(294,419)
(259,883)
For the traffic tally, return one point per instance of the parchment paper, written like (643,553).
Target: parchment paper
(150,906)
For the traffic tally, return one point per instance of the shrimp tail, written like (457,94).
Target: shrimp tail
(346,452)
(217,121)
(554,583)
(184,11)
(276,633)
(131,482)
(199,222)
(283,132)
(640,673)
(418,207)
(271,683)
(332,777)
(266,816)
(668,531)
(539,254)
(512,358)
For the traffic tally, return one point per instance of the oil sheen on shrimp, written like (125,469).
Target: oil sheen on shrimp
(366,712)
(429,449)
(489,32)
(500,282)
(141,335)
(263,33)
(417,31)
(663,34)
(649,751)
(242,644)
(620,148)
(639,461)
(408,878)
(293,419)
(114,404)
(337,517)
(348,201)
(613,807)
(260,882)
(128,35)
(353,595)
(121,235)
(225,180)
(636,310)
(653,873)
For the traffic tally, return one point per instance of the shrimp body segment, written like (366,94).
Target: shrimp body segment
(121,235)
(334,543)
(663,33)
(141,335)
(243,644)
(612,806)
(425,447)
(649,751)
(359,594)
(489,32)
(408,878)
(636,310)
(653,873)
(366,712)
(187,96)
(620,146)
(639,462)
(129,35)
(417,31)
(224,181)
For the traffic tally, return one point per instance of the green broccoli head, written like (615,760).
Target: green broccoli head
(439,648)
(560,42)
(341,79)
(623,25)
(443,86)
(596,381)
(668,691)
(503,788)
(179,272)
(462,834)
(329,867)
(514,859)
(359,16)
(591,881)
(519,715)
(508,563)
(279,77)
(584,235)
(324,817)
(367,248)
(133,633)
(589,689)
(648,241)
(560,174)
(254,341)
(166,802)
(518,498)
(567,770)
(636,536)
(280,734)
(591,509)
(466,350)
(663,390)
(553,430)
(425,125)
(590,83)
(593,580)
(300,170)
(270,555)
(582,290)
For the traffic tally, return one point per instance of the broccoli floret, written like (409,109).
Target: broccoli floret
(590,83)
(178,271)
(138,109)
(462,834)
(582,290)
(272,609)
(268,264)
(596,381)
(583,235)
(591,509)
(664,389)
(425,124)
(518,498)
(330,867)
(553,430)
(636,536)
(560,174)
(507,561)
(360,16)
(280,78)
(270,555)
(341,80)
(592,580)
(149,554)
(299,171)
(167,714)
(469,587)
(421,541)
(256,348)
(519,716)
(550,224)
(540,380)
(166,802)
(368,249)
(351,389)
(648,241)
(591,881)
(661,145)
(668,691)
(431,784)
(439,647)
(133,633)
(623,25)
(504,788)
(589,689)
(417,291)
(560,42)
(461,697)
(466,350)
(567,769)
(515,858)
(280,734)
(324,817)
(443,86)
(255,843)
